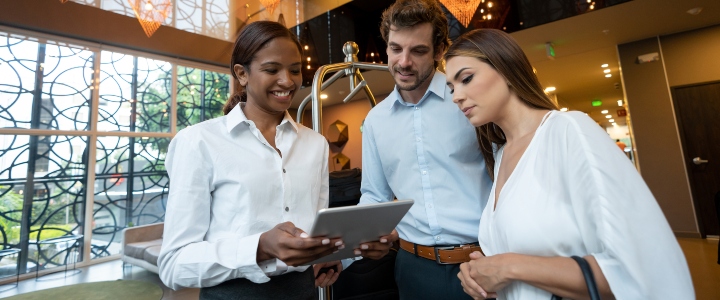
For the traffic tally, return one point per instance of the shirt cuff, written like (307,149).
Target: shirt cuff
(246,258)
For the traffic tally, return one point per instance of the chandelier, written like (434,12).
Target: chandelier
(463,10)
(151,13)
(270,5)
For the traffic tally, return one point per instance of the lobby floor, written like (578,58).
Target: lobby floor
(700,254)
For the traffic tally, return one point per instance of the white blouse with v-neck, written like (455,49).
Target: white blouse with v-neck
(573,193)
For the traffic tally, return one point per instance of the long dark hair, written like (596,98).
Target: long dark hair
(251,39)
(499,50)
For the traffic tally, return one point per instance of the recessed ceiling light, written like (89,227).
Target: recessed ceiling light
(608,116)
(694,11)
(604,112)
(608,75)
(564,109)
(323,96)
(611,120)
(604,66)
(549,89)
(620,102)
(614,124)
(604,71)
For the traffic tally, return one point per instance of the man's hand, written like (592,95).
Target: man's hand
(377,250)
(293,246)
(327,279)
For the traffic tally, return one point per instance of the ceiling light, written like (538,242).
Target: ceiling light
(608,116)
(620,102)
(306,47)
(604,112)
(611,120)
(564,109)
(695,11)
(308,58)
(549,89)
(608,75)
(614,124)
(323,96)
(606,71)
(308,67)
(604,66)
(489,4)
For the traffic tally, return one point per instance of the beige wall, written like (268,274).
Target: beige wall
(99,26)
(352,114)
(686,58)
(692,57)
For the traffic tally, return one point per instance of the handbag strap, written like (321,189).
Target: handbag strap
(588,276)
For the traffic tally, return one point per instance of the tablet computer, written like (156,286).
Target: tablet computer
(357,224)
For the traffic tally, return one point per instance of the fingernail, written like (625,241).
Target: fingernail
(357,252)
(326,241)
(338,243)
(364,247)
(383,241)
(341,247)
(304,235)
(336,251)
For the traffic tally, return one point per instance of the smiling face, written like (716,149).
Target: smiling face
(411,59)
(273,77)
(478,89)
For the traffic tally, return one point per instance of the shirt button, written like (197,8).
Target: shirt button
(437,238)
(283,170)
(429,205)
(287,208)
(424,172)
(418,139)
(416,108)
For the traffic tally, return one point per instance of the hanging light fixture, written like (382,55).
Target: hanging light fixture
(270,5)
(151,13)
(463,10)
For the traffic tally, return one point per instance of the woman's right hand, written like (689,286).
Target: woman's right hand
(293,246)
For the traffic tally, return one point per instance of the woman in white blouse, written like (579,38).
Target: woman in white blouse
(561,188)
(245,186)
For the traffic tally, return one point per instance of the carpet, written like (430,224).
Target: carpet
(103,290)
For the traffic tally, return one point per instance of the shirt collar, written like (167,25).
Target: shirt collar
(437,86)
(237,117)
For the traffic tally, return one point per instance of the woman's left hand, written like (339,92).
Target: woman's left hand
(483,274)
(328,278)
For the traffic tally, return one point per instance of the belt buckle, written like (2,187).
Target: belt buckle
(437,255)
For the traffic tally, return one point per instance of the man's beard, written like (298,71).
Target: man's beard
(421,78)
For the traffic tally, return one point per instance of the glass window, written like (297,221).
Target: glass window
(53,85)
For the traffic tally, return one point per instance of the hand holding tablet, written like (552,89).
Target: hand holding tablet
(357,225)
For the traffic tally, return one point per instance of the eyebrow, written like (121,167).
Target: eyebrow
(458,73)
(423,47)
(273,63)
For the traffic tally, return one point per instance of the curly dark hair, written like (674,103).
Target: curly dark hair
(408,13)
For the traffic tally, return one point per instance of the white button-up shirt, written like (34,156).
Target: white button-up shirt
(228,186)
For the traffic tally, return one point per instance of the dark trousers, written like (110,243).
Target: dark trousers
(421,278)
(293,285)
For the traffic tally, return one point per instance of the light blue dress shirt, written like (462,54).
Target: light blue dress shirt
(427,152)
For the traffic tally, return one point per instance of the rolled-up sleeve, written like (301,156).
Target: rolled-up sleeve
(186,258)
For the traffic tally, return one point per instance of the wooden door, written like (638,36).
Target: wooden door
(697,109)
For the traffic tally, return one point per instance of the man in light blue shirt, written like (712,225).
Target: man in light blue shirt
(418,145)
